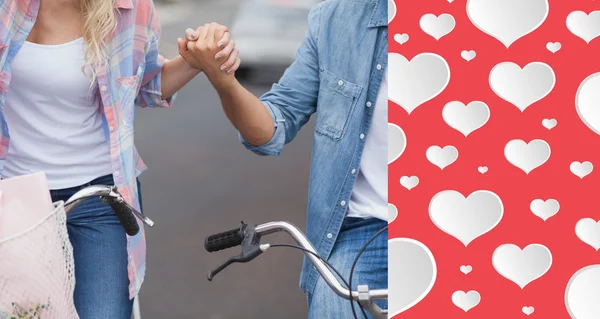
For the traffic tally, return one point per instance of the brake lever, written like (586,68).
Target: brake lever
(251,249)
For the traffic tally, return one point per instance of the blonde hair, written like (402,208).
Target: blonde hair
(99,21)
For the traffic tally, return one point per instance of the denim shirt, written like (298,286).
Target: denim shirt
(336,76)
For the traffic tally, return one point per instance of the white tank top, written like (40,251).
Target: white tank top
(54,117)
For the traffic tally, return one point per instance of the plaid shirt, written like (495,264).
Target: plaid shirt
(131,77)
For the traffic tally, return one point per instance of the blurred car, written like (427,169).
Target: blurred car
(268,33)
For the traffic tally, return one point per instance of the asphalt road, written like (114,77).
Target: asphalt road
(201,180)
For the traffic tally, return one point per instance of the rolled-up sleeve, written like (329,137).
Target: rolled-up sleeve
(293,99)
(150,94)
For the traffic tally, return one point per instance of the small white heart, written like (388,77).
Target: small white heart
(409,182)
(466,269)
(482,169)
(553,46)
(466,300)
(549,123)
(450,1)
(437,26)
(528,310)
(544,209)
(581,170)
(468,55)
(441,157)
(401,38)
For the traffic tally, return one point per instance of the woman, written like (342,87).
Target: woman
(71,73)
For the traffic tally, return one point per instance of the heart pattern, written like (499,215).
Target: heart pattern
(500,100)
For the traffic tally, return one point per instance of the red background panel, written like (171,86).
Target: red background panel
(570,141)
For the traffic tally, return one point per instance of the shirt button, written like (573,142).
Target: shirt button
(117,173)
(378,66)
(103,88)
(330,235)
(340,82)
(362,136)
(343,203)
(353,171)
(111,128)
(369,104)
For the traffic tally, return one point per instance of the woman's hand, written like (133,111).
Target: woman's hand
(228,55)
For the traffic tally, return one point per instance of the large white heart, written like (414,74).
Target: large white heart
(507,20)
(522,266)
(527,156)
(466,218)
(588,231)
(396,142)
(583,25)
(522,87)
(412,272)
(417,81)
(588,102)
(391,10)
(583,292)
(466,118)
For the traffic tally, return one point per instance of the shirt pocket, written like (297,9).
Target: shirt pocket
(336,102)
(128,89)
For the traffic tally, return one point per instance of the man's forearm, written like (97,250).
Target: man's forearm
(246,112)
(176,74)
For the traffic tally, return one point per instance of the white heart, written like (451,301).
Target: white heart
(466,301)
(450,1)
(553,46)
(409,182)
(468,55)
(482,169)
(544,209)
(418,81)
(527,156)
(522,266)
(528,310)
(392,213)
(583,292)
(588,102)
(439,26)
(396,142)
(391,10)
(522,87)
(466,118)
(441,157)
(583,25)
(549,123)
(466,269)
(588,231)
(401,38)
(581,170)
(507,20)
(466,218)
(412,274)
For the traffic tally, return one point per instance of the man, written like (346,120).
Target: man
(340,76)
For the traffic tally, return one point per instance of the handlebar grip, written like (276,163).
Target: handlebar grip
(126,217)
(224,240)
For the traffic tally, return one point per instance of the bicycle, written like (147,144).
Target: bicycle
(249,238)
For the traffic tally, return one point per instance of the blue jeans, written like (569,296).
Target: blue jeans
(100,252)
(371,269)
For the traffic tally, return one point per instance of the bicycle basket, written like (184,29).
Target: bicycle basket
(37,269)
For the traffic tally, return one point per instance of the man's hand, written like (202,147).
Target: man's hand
(211,49)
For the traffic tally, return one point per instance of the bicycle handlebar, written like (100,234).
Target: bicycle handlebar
(124,212)
(232,238)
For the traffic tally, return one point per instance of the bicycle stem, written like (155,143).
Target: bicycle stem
(328,276)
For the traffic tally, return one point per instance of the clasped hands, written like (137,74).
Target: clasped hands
(211,50)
